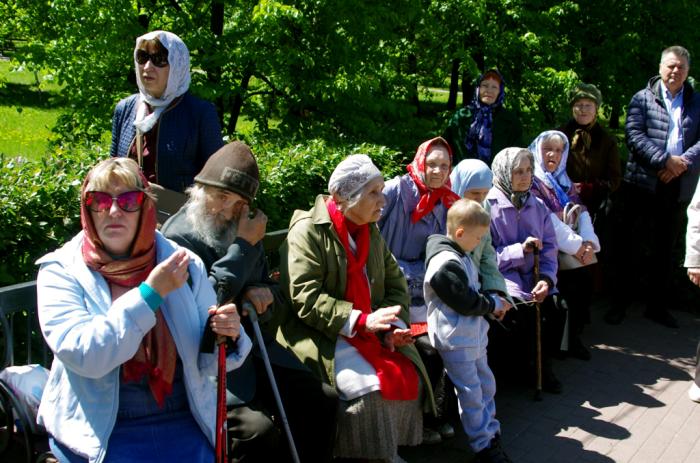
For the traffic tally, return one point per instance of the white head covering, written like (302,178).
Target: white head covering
(470,174)
(178,78)
(559,173)
(351,175)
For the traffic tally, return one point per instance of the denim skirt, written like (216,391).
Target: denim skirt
(145,432)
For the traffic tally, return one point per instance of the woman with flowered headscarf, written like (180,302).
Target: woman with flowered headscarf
(123,310)
(575,234)
(167,130)
(416,207)
(484,127)
(520,222)
(349,315)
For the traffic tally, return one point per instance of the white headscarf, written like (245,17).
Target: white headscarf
(559,174)
(178,78)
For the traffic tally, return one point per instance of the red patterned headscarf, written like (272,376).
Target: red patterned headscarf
(156,357)
(123,272)
(429,197)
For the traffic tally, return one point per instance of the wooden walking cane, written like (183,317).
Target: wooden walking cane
(538,329)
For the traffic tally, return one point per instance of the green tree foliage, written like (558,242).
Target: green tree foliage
(326,66)
(351,67)
(321,77)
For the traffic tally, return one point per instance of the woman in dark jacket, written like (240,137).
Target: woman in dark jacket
(594,160)
(484,127)
(169,132)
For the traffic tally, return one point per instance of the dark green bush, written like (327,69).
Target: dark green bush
(39,201)
(292,176)
(39,208)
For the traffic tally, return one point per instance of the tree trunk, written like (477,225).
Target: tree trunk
(454,85)
(143,18)
(238,100)
(615,113)
(413,86)
(216,25)
(467,88)
(217,17)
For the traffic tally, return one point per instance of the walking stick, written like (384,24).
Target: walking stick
(253,316)
(221,432)
(538,329)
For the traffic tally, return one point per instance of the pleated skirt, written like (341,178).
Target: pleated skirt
(371,427)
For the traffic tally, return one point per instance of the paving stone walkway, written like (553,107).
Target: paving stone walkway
(628,404)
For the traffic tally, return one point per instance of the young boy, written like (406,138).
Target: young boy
(456,324)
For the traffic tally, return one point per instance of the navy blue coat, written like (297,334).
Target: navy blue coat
(188,133)
(646,132)
(244,266)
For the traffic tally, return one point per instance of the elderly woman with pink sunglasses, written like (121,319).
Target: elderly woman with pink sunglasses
(124,310)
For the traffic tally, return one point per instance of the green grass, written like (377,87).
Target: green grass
(29,106)
(437,95)
(21,76)
(26,131)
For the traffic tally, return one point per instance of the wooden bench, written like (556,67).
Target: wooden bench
(21,343)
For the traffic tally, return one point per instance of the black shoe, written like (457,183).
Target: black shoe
(614,316)
(578,350)
(494,453)
(662,317)
(550,383)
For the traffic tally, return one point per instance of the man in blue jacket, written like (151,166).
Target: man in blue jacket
(662,129)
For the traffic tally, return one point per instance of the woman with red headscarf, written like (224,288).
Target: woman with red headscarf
(123,310)
(416,207)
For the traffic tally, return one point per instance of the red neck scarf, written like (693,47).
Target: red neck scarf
(429,197)
(398,379)
(156,357)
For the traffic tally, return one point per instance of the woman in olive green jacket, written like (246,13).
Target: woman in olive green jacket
(349,315)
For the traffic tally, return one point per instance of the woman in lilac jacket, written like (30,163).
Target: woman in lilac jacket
(416,207)
(519,223)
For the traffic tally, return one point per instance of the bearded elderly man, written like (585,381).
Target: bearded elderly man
(217,224)
(663,133)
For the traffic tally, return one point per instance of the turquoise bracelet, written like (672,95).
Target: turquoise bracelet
(151,296)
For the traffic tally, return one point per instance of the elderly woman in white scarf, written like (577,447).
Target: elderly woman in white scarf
(576,238)
(168,131)
(349,318)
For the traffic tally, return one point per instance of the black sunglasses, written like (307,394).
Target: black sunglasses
(159,59)
(129,201)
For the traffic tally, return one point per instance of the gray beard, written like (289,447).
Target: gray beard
(214,230)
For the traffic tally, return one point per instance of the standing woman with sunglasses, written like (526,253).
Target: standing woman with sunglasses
(169,132)
(124,309)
